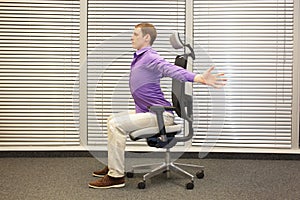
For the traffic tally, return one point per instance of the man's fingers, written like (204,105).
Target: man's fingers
(222,79)
(211,68)
(220,83)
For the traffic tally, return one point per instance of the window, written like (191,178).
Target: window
(252,42)
(39,63)
(110,25)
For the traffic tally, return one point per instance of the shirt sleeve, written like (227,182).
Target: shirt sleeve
(170,70)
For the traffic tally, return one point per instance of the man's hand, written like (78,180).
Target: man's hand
(207,78)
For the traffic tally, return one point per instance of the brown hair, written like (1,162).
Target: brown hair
(148,28)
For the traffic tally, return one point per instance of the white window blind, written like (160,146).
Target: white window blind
(39,63)
(252,42)
(110,26)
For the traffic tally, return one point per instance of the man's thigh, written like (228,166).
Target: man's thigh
(130,122)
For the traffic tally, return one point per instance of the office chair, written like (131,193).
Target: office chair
(167,137)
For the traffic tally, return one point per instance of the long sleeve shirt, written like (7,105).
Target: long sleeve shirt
(147,68)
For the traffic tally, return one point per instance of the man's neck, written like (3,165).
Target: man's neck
(144,46)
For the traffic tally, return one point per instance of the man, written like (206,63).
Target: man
(147,68)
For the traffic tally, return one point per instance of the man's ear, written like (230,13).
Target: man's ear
(148,38)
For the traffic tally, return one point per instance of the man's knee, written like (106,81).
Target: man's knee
(111,122)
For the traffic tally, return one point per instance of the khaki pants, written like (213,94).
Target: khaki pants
(118,127)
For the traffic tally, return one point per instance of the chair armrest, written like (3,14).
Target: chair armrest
(158,110)
(161,108)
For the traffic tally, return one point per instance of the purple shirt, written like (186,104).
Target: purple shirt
(147,68)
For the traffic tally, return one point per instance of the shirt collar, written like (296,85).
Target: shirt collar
(141,51)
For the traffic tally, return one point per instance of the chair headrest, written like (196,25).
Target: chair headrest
(176,41)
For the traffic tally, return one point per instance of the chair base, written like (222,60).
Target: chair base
(167,166)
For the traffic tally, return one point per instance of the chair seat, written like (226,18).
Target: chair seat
(151,131)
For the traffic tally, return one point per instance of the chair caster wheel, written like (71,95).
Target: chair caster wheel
(190,185)
(129,174)
(142,185)
(200,174)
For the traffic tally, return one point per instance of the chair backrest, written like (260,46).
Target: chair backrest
(184,108)
(180,100)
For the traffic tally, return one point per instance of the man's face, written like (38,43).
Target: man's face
(138,40)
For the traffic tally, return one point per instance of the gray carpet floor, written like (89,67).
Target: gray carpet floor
(68,177)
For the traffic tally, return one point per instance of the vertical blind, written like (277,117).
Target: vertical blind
(39,63)
(110,26)
(252,42)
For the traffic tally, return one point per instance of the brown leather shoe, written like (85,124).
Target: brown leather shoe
(108,182)
(101,173)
